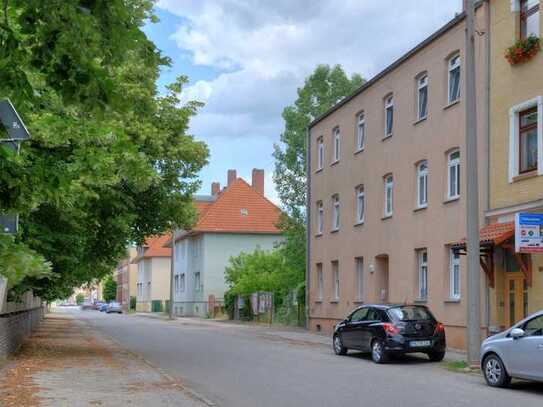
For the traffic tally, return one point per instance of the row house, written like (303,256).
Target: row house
(126,275)
(235,219)
(386,186)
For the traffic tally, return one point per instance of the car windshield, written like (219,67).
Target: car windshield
(410,313)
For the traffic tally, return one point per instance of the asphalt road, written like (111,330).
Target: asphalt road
(236,367)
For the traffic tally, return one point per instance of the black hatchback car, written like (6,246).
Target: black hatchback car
(386,330)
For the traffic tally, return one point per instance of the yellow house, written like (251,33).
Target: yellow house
(515,160)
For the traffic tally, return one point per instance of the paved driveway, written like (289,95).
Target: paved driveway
(243,367)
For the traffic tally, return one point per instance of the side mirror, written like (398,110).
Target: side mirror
(517,333)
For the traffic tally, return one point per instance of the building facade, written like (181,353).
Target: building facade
(153,263)
(516,160)
(387,187)
(126,275)
(230,221)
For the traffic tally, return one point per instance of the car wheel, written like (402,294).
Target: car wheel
(378,353)
(436,356)
(494,372)
(339,349)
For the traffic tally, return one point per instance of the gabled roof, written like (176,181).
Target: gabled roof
(154,247)
(238,209)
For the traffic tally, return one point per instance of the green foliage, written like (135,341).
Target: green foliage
(133,301)
(110,289)
(110,161)
(79,298)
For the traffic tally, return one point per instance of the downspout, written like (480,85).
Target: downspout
(488,141)
(308,225)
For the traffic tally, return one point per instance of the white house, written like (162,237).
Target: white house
(237,219)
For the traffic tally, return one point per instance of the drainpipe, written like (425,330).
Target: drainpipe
(308,226)
(488,87)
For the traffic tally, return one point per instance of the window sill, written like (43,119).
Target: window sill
(319,170)
(452,301)
(334,231)
(386,217)
(334,163)
(421,301)
(449,200)
(360,150)
(359,223)
(335,301)
(526,175)
(358,302)
(420,208)
(451,104)
(318,234)
(386,137)
(418,121)
(319,301)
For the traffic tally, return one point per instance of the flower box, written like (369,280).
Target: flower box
(523,50)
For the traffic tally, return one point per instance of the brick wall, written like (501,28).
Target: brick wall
(15,327)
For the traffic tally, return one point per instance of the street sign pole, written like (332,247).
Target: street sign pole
(472,196)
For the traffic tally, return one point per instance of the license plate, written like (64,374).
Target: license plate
(420,344)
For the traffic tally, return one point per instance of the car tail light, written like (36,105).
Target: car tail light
(440,329)
(390,329)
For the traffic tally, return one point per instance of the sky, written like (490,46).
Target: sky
(245,60)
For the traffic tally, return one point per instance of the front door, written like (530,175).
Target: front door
(516,298)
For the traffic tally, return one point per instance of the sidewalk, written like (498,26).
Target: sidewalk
(279,332)
(65,363)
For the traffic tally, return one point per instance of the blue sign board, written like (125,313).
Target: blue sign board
(529,233)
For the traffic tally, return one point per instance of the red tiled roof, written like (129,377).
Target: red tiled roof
(154,246)
(497,233)
(238,209)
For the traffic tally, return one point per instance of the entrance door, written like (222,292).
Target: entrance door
(516,298)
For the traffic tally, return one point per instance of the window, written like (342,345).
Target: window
(454,79)
(528,140)
(422,97)
(176,283)
(529,18)
(454,271)
(320,282)
(337,145)
(320,153)
(336,212)
(360,204)
(389,116)
(389,186)
(359,262)
(422,184)
(335,273)
(361,132)
(534,327)
(320,218)
(182,283)
(197,285)
(423,273)
(453,175)
(359,315)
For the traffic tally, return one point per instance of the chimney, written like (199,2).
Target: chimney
(232,176)
(215,188)
(258,181)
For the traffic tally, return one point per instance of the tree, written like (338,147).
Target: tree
(110,161)
(322,89)
(79,298)
(110,289)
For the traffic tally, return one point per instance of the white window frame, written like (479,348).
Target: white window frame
(336,139)
(360,204)
(336,212)
(389,195)
(361,132)
(514,164)
(389,105)
(454,275)
(335,275)
(450,68)
(453,163)
(320,218)
(359,270)
(182,283)
(422,268)
(422,83)
(176,283)
(320,282)
(320,153)
(422,184)
(197,281)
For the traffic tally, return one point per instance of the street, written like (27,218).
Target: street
(237,366)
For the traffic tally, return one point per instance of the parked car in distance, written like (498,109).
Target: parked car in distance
(387,330)
(103,307)
(114,307)
(97,305)
(514,353)
(87,305)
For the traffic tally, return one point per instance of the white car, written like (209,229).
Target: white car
(516,352)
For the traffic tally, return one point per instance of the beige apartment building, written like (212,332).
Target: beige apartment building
(126,275)
(516,161)
(387,186)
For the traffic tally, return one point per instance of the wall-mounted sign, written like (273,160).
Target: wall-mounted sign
(529,233)
(8,223)
(13,124)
